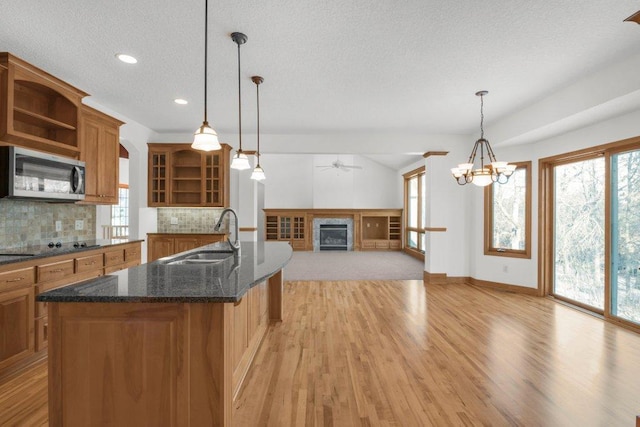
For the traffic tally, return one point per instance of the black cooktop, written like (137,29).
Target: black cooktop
(50,248)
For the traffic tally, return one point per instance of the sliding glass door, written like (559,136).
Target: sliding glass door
(590,229)
(579,232)
(625,235)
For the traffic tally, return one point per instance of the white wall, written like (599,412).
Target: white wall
(297,181)
(524,272)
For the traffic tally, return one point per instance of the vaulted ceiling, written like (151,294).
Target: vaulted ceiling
(330,66)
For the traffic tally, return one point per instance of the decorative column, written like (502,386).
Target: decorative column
(443,219)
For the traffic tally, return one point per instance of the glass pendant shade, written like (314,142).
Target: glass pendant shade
(240,161)
(205,138)
(482,177)
(258,173)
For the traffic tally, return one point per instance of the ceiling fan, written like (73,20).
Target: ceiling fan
(337,164)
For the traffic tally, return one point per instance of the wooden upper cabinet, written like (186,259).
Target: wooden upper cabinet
(99,149)
(182,176)
(37,110)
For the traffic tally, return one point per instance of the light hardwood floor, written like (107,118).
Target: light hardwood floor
(395,353)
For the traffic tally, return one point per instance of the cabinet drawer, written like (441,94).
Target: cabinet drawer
(54,271)
(395,244)
(382,244)
(17,279)
(113,258)
(42,333)
(368,244)
(132,254)
(89,263)
(297,244)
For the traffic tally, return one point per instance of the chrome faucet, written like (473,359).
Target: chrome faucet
(235,247)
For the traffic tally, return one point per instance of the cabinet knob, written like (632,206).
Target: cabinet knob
(18,279)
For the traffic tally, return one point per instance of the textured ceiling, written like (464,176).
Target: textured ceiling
(329,66)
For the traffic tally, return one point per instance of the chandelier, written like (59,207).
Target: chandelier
(493,171)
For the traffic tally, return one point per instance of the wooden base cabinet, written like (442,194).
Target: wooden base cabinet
(24,324)
(173,364)
(16,325)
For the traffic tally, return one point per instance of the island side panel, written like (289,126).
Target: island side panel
(275,296)
(118,364)
(211,353)
(248,332)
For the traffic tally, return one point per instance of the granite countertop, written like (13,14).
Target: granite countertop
(27,253)
(227,281)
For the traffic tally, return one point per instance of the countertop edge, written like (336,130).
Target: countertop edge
(71,293)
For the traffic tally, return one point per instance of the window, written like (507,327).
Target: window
(507,219)
(589,225)
(120,214)
(415,210)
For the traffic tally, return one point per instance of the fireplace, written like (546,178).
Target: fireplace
(333,237)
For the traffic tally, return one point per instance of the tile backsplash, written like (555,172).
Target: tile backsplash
(188,220)
(24,223)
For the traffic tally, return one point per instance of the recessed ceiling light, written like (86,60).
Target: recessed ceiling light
(181,101)
(128,59)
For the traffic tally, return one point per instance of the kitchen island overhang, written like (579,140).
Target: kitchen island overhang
(161,344)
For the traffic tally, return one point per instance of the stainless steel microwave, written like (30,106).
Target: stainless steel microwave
(29,174)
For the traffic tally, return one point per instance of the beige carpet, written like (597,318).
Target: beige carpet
(353,266)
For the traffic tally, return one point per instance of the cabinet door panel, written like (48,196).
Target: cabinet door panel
(159,247)
(185,243)
(89,154)
(108,165)
(16,325)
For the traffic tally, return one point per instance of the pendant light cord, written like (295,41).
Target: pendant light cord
(206,27)
(258,117)
(239,103)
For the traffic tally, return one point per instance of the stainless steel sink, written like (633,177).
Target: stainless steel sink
(209,255)
(200,257)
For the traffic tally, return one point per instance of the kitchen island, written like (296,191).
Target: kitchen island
(163,343)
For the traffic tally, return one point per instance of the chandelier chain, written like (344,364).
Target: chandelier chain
(482,116)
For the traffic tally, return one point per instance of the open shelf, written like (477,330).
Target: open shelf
(32,118)
(192,178)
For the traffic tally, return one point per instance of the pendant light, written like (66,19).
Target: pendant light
(258,172)
(205,138)
(494,171)
(240,160)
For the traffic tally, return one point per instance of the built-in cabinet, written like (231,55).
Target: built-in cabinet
(160,245)
(373,229)
(38,110)
(381,231)
(23,322)
(41,112)
(183,177)
(100,150)
(288,227)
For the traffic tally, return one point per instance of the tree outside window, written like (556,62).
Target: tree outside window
(507,220)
